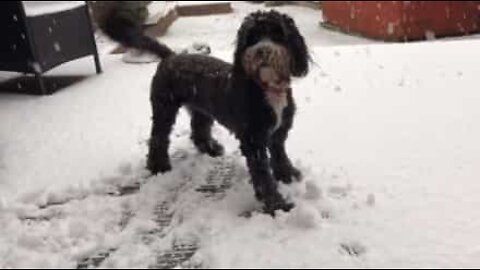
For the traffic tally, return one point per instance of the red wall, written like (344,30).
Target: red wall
(404,20)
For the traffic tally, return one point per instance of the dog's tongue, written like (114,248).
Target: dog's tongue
(271,82)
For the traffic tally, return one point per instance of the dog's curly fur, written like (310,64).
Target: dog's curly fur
(252,98)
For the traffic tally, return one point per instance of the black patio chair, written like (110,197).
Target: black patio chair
(35,44)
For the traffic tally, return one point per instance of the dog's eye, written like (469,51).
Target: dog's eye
(278,38)
(253,40)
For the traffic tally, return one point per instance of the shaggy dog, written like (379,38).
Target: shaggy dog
(252,98)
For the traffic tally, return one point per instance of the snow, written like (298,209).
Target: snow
(158,9)
(195,3)
(223,28)
(38,8)
(385,134)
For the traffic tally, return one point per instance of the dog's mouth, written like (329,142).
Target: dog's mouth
(268,64)
(272,82)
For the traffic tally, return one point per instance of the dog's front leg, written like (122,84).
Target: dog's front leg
(283,169)
(282,166)
(265,186)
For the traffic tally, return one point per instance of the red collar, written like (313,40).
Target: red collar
(276,91)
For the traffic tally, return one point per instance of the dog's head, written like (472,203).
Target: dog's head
(271,50)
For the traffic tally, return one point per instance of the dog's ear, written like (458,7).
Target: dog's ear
(242,39)
(297,47)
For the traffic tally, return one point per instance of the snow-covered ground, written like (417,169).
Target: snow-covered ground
(386,135)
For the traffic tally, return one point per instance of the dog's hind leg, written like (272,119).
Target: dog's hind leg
(164,114)
(202,134)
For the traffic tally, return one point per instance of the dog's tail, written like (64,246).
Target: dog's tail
(130,34)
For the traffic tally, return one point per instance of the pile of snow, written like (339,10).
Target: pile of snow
(158,9)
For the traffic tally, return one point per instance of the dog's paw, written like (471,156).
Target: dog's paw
(288,175)
(156,167)
(210,147)
(275,203)
(296,174)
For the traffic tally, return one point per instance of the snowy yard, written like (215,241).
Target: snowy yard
(386,135)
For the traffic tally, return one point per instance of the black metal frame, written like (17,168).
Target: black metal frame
(37,44)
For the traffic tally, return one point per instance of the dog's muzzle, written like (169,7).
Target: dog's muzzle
(269,65)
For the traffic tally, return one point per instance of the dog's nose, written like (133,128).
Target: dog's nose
(261,52)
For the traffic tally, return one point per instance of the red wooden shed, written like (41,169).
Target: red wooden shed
(404,20)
